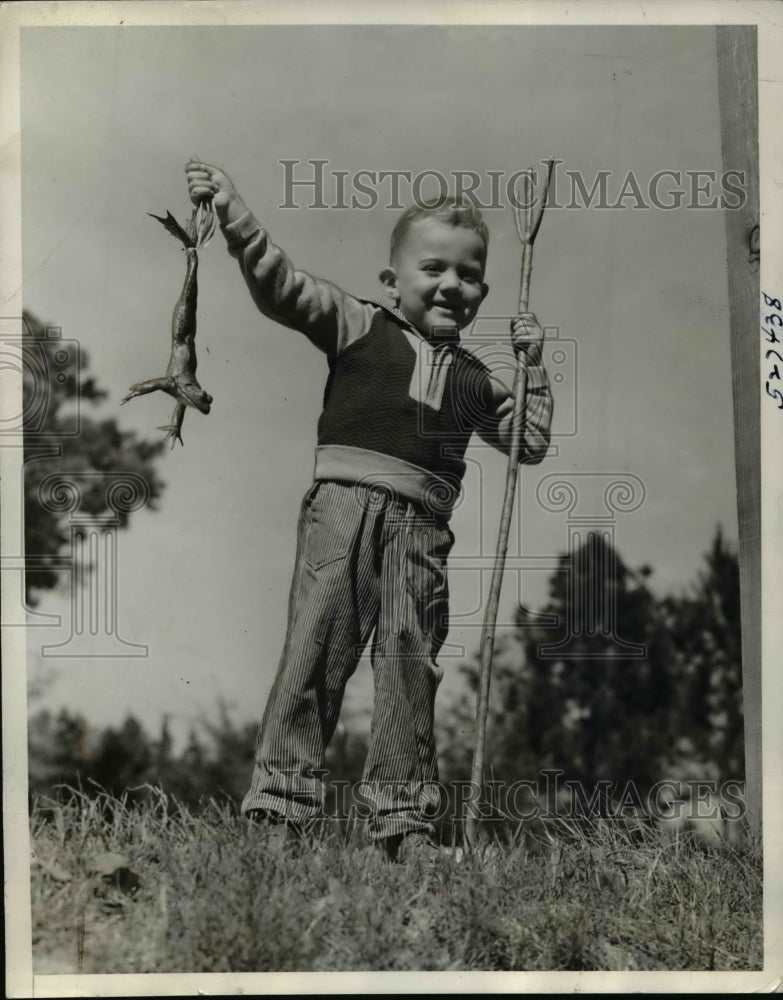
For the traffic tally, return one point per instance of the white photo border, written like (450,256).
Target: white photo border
(767,15)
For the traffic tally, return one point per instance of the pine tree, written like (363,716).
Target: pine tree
(706,630)
(57,393)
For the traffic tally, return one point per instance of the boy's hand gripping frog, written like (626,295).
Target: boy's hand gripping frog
(180,378)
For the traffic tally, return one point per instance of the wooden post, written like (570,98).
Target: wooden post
(738,95)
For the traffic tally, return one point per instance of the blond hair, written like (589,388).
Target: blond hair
(451,211)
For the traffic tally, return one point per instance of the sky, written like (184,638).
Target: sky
(635,300)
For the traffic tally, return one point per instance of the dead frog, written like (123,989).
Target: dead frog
(180,378)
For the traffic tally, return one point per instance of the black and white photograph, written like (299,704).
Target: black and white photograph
(391,551)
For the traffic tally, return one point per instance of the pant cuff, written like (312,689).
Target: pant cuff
(298,811)
(393,825)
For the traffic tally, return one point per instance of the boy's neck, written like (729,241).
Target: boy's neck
(440,335)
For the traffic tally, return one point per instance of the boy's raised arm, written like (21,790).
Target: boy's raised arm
(537,417)
(328,316)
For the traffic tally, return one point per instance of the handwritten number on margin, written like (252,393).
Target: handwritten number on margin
(775,394)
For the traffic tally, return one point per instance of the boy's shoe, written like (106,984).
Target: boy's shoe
(275,832)
(416,847)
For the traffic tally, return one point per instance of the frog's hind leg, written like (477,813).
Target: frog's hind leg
(151,385)
(174,429)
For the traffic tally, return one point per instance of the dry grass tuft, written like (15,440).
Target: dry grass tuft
(121,888)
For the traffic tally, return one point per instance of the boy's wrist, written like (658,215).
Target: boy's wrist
(241,231)
(230,210)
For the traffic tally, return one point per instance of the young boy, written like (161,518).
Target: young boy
(402,399)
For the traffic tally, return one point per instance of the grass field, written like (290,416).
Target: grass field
(120,888)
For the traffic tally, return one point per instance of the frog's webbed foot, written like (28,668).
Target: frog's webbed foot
(151,385)
(174,429)
(173,433)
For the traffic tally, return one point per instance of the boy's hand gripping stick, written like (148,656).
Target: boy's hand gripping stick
(527,226)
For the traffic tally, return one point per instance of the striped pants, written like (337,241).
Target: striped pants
(367,568)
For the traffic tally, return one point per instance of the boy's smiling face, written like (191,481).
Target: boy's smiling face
(436,279)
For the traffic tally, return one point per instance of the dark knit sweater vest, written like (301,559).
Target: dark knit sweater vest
(380,397)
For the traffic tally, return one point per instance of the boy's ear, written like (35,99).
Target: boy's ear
(388,278)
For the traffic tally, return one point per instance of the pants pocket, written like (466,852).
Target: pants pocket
(331,511)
